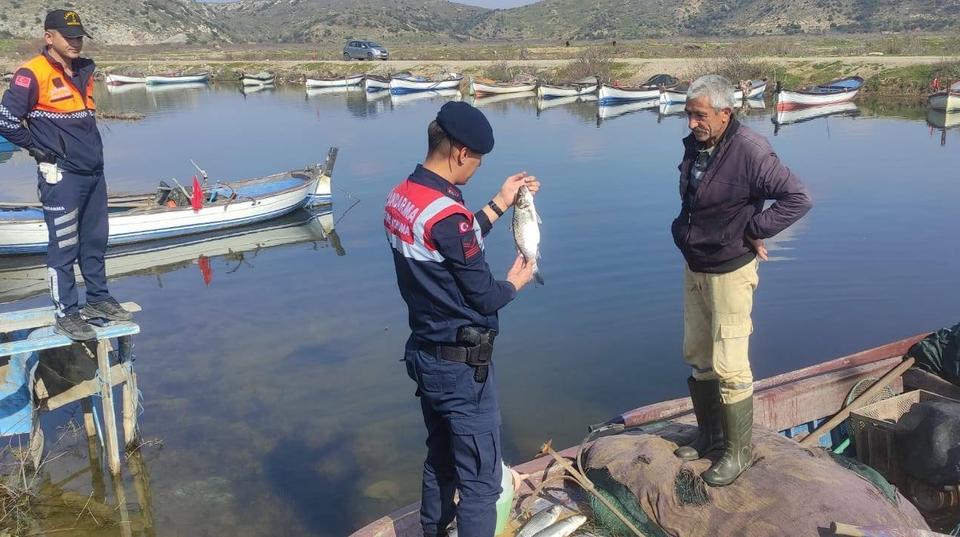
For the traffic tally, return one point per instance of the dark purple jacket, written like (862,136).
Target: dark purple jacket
(727,208)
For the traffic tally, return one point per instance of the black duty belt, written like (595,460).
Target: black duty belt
(474,348)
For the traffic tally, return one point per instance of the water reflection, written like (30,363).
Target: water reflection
(437,95)
(943,120)
(605,113)
(787,117)
(26,276)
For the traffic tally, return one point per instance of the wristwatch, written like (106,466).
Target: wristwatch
(493,205)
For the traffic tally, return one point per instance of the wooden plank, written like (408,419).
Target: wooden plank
(130,403)
(56,340)
(82,390)
(109,411)
(37,317)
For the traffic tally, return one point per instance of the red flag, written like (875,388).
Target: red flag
(197,199)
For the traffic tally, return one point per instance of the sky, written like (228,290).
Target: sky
(481,3)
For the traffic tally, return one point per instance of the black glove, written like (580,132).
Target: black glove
(40,155)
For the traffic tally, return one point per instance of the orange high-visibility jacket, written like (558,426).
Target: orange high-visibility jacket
(47,108)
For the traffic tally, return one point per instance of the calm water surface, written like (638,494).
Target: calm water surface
(275,385)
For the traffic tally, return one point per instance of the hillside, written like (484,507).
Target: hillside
(311,20)
(159,21)
(121,21)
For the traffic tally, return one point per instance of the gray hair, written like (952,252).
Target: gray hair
(716,88)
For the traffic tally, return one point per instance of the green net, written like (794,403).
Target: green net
(869,474)
(624,500)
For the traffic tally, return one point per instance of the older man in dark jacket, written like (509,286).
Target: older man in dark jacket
(728,172)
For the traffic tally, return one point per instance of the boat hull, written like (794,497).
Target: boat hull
(945,100)
(249,81)
(403,86)
(757,91)
(610,95)
(669,97)
(545,91)
(334,83)
(481,89)
(190,79)
(791,403)
(116,80)
(833,92)
(373,85)
(23,230)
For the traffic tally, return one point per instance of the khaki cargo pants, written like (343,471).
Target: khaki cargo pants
(717,328)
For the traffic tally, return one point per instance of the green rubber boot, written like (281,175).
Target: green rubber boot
(737,451)
(705,395)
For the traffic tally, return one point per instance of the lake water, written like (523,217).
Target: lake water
(271,379)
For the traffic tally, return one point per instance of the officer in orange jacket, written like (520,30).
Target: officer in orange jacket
(50,111)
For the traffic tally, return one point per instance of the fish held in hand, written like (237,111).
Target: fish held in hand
(526,230)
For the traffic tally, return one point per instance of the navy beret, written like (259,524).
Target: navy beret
(467,125)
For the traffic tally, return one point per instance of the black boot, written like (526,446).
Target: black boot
(705,395)
(737,450)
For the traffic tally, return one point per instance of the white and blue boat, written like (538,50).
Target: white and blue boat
(401,85)
(169,213)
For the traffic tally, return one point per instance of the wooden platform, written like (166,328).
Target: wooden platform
(120,374)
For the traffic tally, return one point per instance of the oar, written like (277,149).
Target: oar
(871,392)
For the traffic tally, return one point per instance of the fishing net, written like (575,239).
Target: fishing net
(789,490)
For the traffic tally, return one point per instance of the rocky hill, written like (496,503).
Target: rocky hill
(158,21)
(122,21)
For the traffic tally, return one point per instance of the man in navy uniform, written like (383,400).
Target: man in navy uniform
(49,110)
(453,300)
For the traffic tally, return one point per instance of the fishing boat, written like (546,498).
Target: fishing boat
(373,83)
(606,112)
(648,90)
(26,276)
(486,88)
(402,85)
(570,89)
(262,78)
(169,212)
(156,80)
(678,95)
(116,79)
(754,90)
(792,403)
(835,91)
(787,117)
(946,100)
(335,82)
(407,98)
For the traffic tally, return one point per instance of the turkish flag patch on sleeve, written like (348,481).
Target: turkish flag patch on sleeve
(22,80)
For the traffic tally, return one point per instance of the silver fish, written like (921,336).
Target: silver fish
(540,521)
(526,229)
(563,528)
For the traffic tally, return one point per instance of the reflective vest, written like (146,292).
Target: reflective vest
(411,211)
(56,92)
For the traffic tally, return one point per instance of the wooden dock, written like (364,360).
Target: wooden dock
(108,376)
